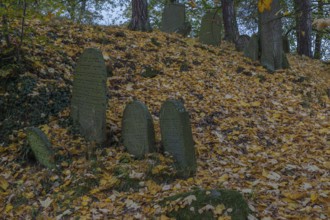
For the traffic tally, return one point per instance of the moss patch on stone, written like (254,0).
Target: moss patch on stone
(198,205)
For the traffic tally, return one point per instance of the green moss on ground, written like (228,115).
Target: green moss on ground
(235,205)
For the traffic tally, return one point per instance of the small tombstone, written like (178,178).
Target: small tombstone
(177,136)
(252,49)
(210,32)
(173,18)
(41,147)
(89,100)
(286,44)
(138,129)
(285,61)
(241,42)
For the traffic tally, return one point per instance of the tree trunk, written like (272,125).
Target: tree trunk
(270,32)
(229,20)
(318,38)
(304,27)
(5,30)
(140,19)
(5,25)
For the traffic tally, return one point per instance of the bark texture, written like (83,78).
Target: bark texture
(229,20)
(304,27)
(318,37)
(140,19)
(270,31)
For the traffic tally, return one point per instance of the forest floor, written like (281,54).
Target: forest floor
(264,135)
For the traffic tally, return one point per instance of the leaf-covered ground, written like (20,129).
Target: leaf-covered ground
(264,135)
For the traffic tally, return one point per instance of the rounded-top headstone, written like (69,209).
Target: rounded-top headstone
(210,31)
(41,147)
(89,100)
(242,42)
(138,129)
(177,136)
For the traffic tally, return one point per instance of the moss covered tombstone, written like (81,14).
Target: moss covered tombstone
(174,19)
(210,32)
(41,147)
(89,100)
(177,136)
(138,129)
(252,49)
(242,42)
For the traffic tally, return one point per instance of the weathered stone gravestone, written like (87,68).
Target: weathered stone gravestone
(242,42)
(286,44)
(174,19)
(89,100)
(252,49)
(210,32)
(41,147)
(138,129)
(177,136)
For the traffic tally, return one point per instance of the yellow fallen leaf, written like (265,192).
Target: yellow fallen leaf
(277,115)
(324,131)
(164,217)
(3,183)
(219,209)
(85,200)
(223,178)
(326,164)
(294,195)
(29,195)
(158,169)
(9,207)
(45,129)
(256,104)
(244,104)
(264,173)
(314,197)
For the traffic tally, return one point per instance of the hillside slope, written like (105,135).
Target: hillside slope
(265,135)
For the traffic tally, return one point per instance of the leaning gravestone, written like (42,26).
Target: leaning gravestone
(41,147)
(89,100)
(138,129)
(210,32)
(252,49)
(241,42)
(173,18)
(177,136)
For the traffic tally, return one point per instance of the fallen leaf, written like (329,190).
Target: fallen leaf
(45,204)
(3,183)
